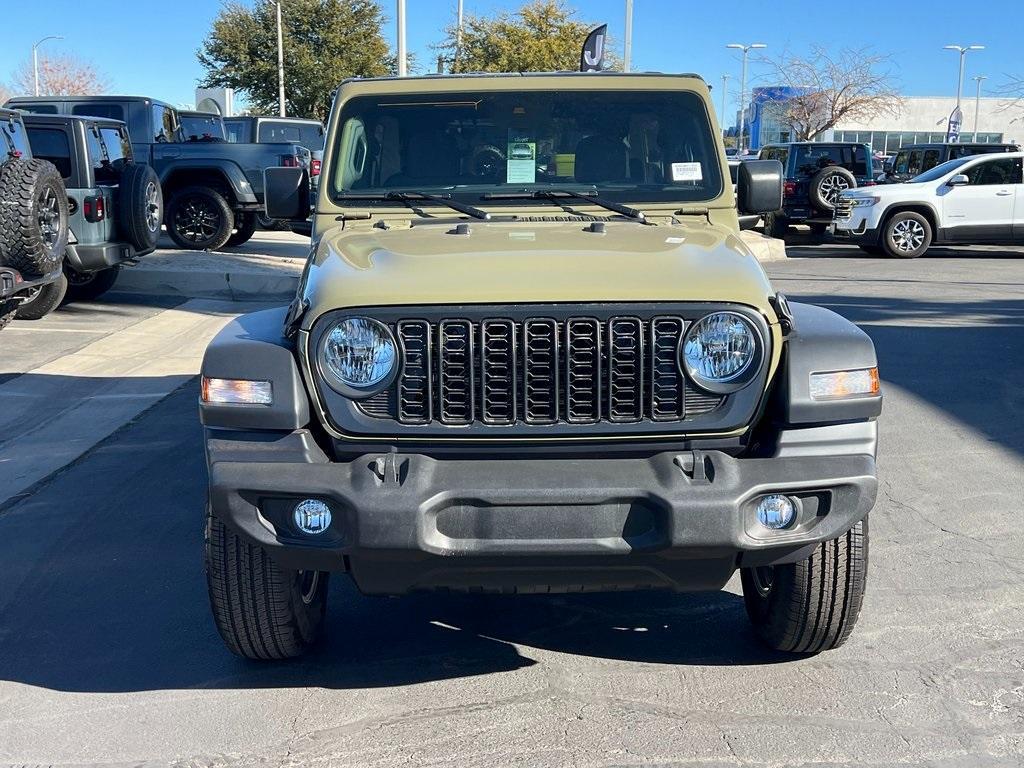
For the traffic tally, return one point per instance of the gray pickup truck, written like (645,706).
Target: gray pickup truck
(213,189)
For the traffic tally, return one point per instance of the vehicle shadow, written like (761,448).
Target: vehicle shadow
(102,590)
(802,244)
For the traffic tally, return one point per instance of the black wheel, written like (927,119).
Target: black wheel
(827,184)
(810,606)
(33,216)
(8,309)
(273,225)
(86,286)
(246,226)
(199,218)
(906,235)
(874,250)
(818,229)
(775,224)
(261,610)
(43,300)
(140,206)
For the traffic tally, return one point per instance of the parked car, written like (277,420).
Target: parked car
(973,199)
(580,383)
(263,128)
(33,227)
(915,159)
(212,189)
(202,126)
(815,173)
(115,204)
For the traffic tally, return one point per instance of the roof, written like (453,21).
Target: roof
(522,75)
(79,99)
(275,117)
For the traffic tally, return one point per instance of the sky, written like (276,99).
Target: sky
(150,50)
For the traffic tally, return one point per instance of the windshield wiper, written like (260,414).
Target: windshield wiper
(409,197)
(555,194)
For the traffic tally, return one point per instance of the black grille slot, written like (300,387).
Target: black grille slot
(583,371)
(625,369)
(540,371)
(666,379)
(498,372)
(415,391)
(455,371)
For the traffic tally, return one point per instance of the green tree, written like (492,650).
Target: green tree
(542,36)
(325,41)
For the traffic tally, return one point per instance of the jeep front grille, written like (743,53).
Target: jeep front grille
(540,371)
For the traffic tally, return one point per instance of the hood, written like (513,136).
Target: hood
(533,262)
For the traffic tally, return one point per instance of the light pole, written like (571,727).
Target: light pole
(977,102)
(628,52)
(962,50)
(725,98)
(743,87)
(280,64)
(400,21)
(35,58)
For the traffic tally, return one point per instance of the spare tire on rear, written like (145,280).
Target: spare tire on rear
(827,184)
(33,216)
(140,206)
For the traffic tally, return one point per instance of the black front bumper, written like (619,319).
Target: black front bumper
(858,237)
(402,522)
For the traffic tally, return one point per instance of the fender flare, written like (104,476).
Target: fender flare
(230,171)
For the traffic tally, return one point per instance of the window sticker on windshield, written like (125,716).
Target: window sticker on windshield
(521,161)
(687,172)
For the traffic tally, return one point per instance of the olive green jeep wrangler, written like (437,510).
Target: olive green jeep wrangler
(531,353)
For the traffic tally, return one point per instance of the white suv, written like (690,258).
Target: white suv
(978,199)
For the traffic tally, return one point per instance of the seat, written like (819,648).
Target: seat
(601,158)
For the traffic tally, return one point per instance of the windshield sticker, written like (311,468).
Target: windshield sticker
(522,160)
(687,172)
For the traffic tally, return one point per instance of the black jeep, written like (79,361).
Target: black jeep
(115,203)
(814,174)
(33,227)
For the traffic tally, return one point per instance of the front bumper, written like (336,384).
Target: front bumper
(401,522)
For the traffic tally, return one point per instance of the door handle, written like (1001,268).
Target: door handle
(1004,193)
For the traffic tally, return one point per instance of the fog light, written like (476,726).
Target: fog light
(312,516)
(775,511)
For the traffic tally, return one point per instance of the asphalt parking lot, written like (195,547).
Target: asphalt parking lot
(108,653)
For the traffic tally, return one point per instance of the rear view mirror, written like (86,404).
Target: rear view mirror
(759,187)
(959,180)
(286,193)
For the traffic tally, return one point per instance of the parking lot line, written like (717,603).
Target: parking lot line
(52,414)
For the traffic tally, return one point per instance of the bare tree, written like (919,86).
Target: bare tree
(5,93)
(826,87)
(60,76)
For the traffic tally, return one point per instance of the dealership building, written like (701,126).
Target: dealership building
(914,120)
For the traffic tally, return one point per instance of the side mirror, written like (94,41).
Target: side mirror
(959,180)
(286,193)
(759,187)
(887,166)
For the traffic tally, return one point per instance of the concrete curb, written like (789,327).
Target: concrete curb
(208,284)
(764,248)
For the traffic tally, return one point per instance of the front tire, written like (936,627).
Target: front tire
(906,235)
(86,286)
(813,605)
(261,610)
(199,219)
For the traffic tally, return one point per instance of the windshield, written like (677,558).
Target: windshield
(308,135)
(202,128)
(939,171)
(625,145)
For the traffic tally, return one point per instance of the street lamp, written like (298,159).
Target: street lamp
(725,91)
(280,64)
(35,58)
(962,50)
(977,102)
(628,50)
(743,86)
(400,23)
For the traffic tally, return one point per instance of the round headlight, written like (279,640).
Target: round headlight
(360,355)
(719,351)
